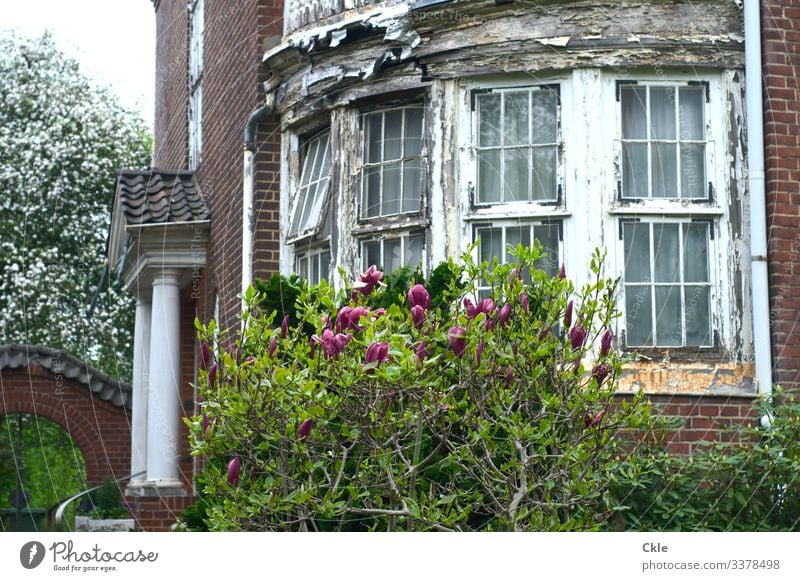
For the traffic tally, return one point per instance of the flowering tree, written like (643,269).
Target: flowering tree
(492,413)
(61,142)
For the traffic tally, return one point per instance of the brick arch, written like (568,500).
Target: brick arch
(90,406)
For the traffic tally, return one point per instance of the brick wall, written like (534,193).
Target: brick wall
(170,142)
(101,430)
(781,56)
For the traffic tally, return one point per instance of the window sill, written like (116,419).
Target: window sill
(516,212)
(666,209)
(697,378)
(391,225)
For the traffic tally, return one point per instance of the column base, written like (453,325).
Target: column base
(157,488)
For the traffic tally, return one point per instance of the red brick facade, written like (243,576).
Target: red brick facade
(781,53)
(101,429)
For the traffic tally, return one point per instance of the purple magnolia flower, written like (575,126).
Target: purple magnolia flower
(367,280)
(418,316)
(568,315)
(488,323)
(505,314)
(234,469)
(377,353)
(343,319)
(590,421)
(273,346)
(284,326)
(470,307)
(577,367)
(479,351)
(458,339)
(206,423)
(601,371)
(562,273)
(420,352)
(305,429)
(524,301)
(252,359)
(212,374)
(509,375)
(513,275)
(332,344)
(605,342)
(378,313)
(486,306)
(418,296)
(205,355)
(577,336)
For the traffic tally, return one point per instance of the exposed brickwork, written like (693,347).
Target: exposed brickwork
(154,514)
(171,141)
(781,55)
(703,418)
(101,430)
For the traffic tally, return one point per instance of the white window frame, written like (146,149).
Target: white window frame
(713,208)
(300,198)
(475,99)
(403,236)
(315,253)
(422,157)
(511,223)
(196,47)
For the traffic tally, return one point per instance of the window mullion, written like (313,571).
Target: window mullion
(654,312)
(530,148)
(502,147)
(382,160)
(678,164)
(684,325)
(649,144)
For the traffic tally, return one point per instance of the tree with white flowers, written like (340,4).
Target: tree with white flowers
(62,138)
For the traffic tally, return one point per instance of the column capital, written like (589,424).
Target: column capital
(166,276)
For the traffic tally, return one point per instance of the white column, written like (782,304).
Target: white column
(141,363)
(164,402)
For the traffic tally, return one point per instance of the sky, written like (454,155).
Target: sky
(114,40)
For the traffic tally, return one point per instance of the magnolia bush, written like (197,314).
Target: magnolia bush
(62,139)
(465,410)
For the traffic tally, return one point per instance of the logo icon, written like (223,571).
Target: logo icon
(31,554)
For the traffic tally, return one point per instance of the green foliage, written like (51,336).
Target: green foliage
(499,426)
(49,460)
(62,139)
(106,501)
(748,481)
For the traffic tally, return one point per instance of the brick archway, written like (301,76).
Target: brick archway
(92,407)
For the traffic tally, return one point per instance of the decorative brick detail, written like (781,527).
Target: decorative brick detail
(781,57)
(101,430)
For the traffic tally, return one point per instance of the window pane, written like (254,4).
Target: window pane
(668,316)
(372,254)
(662,113)
(392,134)
(414,246)
(309,203)
(637,252)
(544,173)
(634,170)
(412,185)
(693,171)
(691,113)
(547,235)
(325,264)
(372,184)
(698,320)
(314,276)
(316,209)
(666,253)
(392,258)
(298,211)
(308,162)
(517,169)
(302,267)
(638,316)
(517,235)
(374,137)
(489,176)
(413,137)
(695,252)
(516,118)
(489,120)
(545,111)
(634,112)
(665,170)
(491,244)
(325,151)
(391,188)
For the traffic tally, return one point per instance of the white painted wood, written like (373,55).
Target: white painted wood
(141,363)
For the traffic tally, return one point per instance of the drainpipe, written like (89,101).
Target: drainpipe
(758,215)
(248,220)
